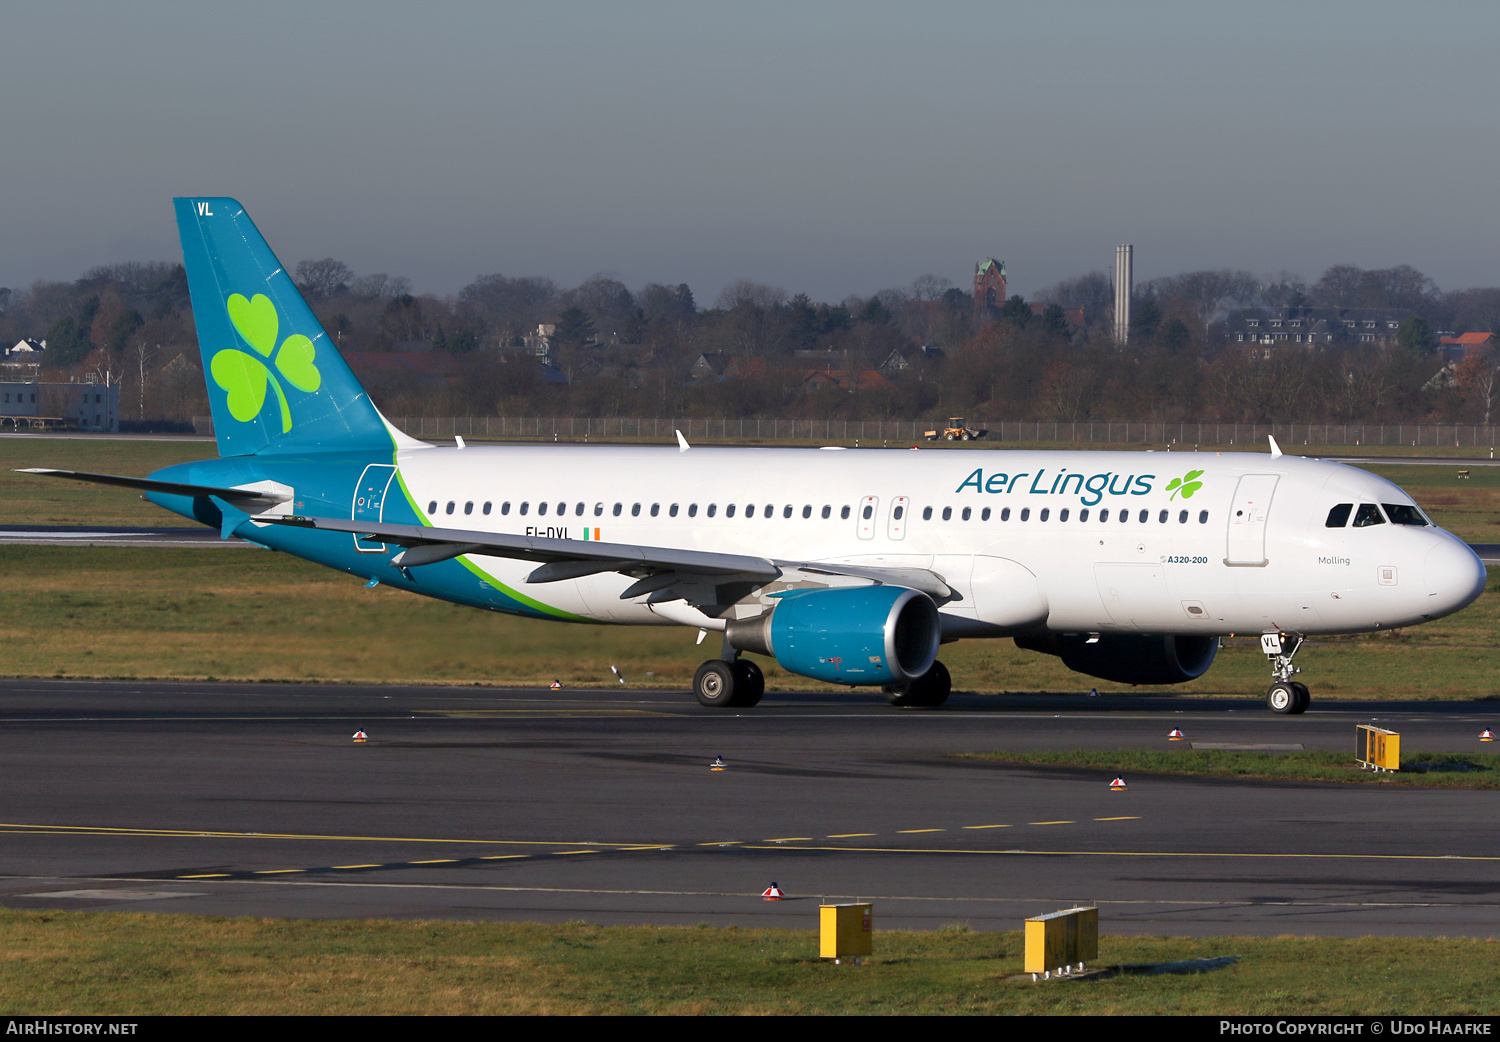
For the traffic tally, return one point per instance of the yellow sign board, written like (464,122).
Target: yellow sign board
(1061,939)
(845,930)
(1377,748)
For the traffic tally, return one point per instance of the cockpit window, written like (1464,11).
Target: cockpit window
(1368,514)
(1401,514)
(1338,517)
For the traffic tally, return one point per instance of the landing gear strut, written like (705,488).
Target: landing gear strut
(928,691)
(1286,696)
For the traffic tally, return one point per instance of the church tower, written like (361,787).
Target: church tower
(989,285)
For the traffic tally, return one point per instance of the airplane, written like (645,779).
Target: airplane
(848,566)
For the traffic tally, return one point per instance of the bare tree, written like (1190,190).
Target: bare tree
(321,279)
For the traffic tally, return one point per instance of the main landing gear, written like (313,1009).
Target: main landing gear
(1286,696)
(928,691)
(723,684)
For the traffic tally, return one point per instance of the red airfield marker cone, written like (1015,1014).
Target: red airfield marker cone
(360,736)
(772,893)
(1486,735)
(1176,735)
(1118,785)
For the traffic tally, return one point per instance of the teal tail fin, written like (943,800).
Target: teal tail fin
(275,380)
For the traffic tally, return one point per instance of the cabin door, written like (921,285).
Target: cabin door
(369,502)
(1247,520)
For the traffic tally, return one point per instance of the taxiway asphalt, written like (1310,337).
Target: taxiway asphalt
(251,799)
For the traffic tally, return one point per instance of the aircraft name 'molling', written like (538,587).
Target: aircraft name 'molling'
(1090,490)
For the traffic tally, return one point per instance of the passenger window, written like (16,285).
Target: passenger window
(787,511)
(449,508)
(1083,515)
(635,510)
(899,513)
(1401,514)
(1182,518)
(432,507)
(728,511)
(984,515)
(1005,514)
(1044,514)
(1025,513)
(827,510)
(868,511)
(692,510)
(1124,516)
(967,513)
(1145,516)
(672,510)
(541,508)
(947,513)
(713,508)
(807,511)
(1338,517)
(505,507)
(844,514)
(1367,515)
(598,509)
(525,507)
(487,509)
(1104,514)
(1162,517)
(749,509)
(1203,517)
(578,510)
(618,508)
(469,507)
(1062,515)
(562,509)
(655,509)
(927,513)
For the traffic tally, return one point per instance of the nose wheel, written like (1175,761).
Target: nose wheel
(1286,696)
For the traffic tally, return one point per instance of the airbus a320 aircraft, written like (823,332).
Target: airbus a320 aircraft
(852,567)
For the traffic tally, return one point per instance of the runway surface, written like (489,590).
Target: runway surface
(514,804)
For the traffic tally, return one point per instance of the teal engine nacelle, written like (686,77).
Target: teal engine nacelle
(847,635)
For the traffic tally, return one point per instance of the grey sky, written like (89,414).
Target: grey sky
(828,148)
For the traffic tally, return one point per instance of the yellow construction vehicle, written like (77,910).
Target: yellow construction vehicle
(957,430)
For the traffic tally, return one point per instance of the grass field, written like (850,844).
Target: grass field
(1432,770)
(248,614)
(72,963)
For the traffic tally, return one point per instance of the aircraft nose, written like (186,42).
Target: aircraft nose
(1455,577)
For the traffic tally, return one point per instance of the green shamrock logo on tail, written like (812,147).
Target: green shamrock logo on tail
(244,376)
(1187,485)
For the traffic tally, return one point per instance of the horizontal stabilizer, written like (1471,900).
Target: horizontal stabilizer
(251,496)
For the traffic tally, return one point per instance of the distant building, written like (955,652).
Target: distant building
(1315,327)
(1072,316)
(83,406)
(1454,348)
(989,285)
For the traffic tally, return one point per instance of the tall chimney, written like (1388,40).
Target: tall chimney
(1124,280)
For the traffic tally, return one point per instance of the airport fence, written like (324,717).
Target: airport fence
(754,429)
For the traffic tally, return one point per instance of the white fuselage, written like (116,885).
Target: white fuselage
(1073,541)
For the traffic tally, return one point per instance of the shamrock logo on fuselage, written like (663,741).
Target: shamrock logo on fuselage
(244,376)
(1187,485)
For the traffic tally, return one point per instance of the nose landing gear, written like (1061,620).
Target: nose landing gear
(1286,696)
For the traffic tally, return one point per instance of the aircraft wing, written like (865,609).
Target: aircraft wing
(259,494)
(666,573)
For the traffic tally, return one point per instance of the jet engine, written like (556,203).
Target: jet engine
(1146,658)
(846,635)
